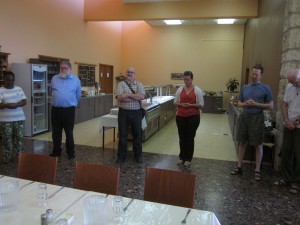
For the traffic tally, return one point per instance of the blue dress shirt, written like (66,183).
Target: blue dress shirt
(66,92)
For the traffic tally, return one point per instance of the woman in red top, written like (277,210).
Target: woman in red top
(189,101)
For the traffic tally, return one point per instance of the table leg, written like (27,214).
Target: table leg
(114,133)
(103,131)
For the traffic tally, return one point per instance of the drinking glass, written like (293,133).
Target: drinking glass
(117,205)
(42,194)
(95,212)
(9,195)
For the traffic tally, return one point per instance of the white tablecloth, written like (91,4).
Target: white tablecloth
(69,200)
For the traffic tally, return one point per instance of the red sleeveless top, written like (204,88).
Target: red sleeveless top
(187,98)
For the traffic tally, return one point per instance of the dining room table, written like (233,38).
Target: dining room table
(68,203)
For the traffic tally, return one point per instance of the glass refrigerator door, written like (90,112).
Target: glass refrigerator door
(39,99)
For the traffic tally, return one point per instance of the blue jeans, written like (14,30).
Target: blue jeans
(130,119)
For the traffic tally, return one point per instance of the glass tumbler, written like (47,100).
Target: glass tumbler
(42,194)
(9,195)
(95,212)
(117,205)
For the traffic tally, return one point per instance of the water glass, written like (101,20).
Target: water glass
(117,205)
(42,194)
(9,195)
(95,212)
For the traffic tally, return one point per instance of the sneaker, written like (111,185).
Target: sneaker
(236,171)
(187,164)
(180,162)
(257,176)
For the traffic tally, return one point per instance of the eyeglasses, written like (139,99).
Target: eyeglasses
(64,68)
(130,72)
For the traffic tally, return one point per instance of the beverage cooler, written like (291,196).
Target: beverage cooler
(32,78)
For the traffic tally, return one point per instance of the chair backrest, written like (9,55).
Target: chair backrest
(41,168)
(170,187)
(96,177)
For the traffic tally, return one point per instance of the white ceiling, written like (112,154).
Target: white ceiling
(195,22)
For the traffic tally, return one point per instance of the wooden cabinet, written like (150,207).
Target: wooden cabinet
(99,106)
(168,111)
(213,104)
(3,65)
(85,110)
(86,74)
(108,103)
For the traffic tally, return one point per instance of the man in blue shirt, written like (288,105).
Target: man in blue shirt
(254,98)
(66,93)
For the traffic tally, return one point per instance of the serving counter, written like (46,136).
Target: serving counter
(159,112)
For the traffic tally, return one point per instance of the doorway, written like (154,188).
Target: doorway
(106,78)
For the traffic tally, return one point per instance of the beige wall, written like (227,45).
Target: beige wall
(213,53)
(56,28)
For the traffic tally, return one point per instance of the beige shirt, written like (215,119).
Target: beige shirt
(292,98)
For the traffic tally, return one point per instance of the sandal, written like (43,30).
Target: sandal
(294,190)
(257,176)
(236,171)
(281,183)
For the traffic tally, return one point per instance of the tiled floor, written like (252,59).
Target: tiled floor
(234,199)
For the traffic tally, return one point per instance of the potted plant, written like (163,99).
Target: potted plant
(232,84)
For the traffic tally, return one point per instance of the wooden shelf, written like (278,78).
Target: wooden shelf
(3,65)
(86,74)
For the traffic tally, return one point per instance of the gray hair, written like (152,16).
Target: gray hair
(66,62)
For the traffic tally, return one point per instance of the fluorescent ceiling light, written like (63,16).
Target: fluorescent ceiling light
(173,22)
(225,21)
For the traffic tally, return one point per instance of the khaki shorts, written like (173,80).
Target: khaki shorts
(251,128)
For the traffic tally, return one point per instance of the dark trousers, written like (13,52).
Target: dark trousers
(291,156)
(187,127)
(63,118)
(130,119)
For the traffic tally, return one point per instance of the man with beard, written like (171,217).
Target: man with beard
(66,93)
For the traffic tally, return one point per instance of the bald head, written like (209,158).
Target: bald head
(293,77)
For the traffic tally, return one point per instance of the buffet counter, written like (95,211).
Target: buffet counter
(159,110)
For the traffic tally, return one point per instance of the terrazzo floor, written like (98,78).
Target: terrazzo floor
(234,199)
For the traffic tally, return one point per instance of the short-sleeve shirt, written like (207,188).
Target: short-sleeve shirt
(258,92)
(292,98)
(13,95)
(123,88)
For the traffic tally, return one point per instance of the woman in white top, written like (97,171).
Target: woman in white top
(12,117)
(189,101)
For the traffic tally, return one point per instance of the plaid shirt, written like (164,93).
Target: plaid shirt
(122,88)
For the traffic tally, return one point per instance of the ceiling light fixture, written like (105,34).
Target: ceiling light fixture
(226,21)
(173,22)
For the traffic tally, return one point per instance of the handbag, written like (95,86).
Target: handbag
(144,114)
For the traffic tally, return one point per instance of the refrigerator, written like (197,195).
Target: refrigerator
(32,78)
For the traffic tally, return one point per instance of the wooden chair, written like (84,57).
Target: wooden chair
(96,177)
(170,187)
(40,168)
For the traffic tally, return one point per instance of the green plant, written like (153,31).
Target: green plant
(232,84)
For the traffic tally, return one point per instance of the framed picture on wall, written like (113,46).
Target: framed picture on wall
(176,76)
